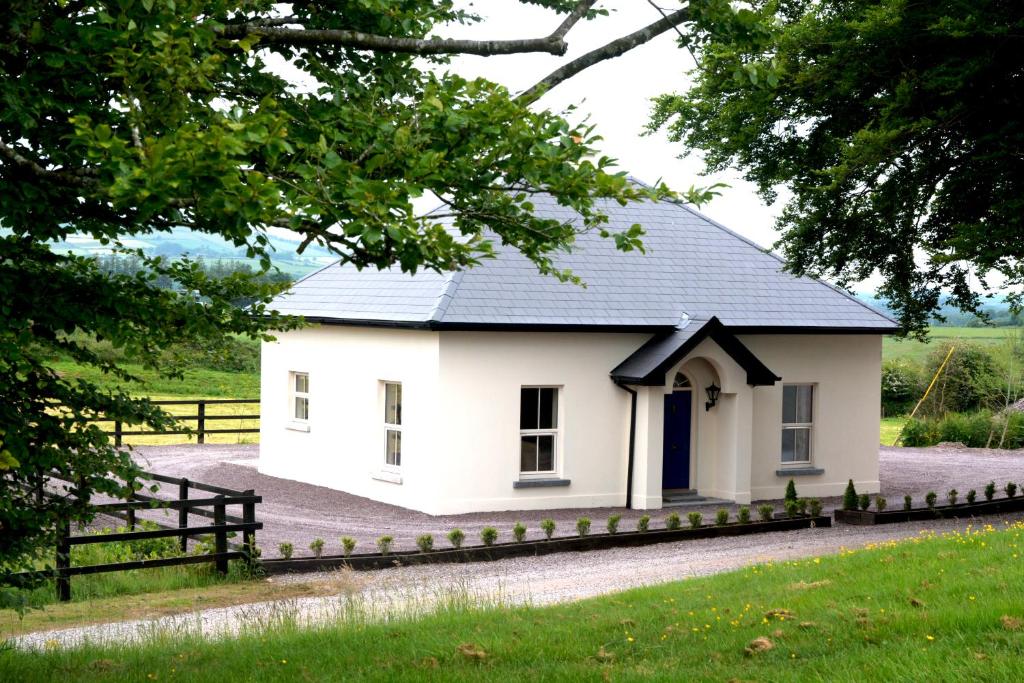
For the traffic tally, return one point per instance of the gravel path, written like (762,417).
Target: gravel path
(298,513)
(534,580)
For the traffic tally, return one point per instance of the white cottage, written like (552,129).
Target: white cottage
(696,368)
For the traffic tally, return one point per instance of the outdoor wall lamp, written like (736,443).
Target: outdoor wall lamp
(713,391)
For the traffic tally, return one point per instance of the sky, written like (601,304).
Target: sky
(616,95)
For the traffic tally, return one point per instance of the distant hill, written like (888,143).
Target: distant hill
(181,241)
(998,312)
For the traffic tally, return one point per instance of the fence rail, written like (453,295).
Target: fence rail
(201,418)
(223,524)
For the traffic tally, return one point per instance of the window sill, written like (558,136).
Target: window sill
(800,472)
(297,426)
(384,475)
(539,483)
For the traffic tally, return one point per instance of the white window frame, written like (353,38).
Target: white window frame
(555,433)
(391,426)
(809,426)
(295,422)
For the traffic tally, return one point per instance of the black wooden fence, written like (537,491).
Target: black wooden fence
(201,417)
(210,507)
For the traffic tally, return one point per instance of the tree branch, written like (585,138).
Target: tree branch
(609,51)
(574,17)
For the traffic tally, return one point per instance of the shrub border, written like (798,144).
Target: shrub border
(869,517)
(542,547)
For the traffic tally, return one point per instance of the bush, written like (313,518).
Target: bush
(456,537)
(743,514)
(791,507)
(801,506)
(908,502)
(317,546)
(348,544)
(488,535)
(583,526)
(790,491)
(952,496)
(519,532)
(930,499)
(548,527)
(972,495)
(613,523)
(901,386)
(766,512)
(850,497)
(970,377)
(722,517)
(286,550)
(863,501)
(980,429)
(644,523)
(880,504)
(1010,489)
(990,490)
(384,544)
(672,521)
(814,507)
(425,543)
(695,519)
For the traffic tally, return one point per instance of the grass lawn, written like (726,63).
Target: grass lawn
(911,349)
(936,609)
(890,429)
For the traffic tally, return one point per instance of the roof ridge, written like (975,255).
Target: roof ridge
(763,250)
(446,296)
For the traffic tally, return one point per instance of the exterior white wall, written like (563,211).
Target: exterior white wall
(481,376)
(344,447)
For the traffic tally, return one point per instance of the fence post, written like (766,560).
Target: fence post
(249,535)
(183,513)
(63,561)
(117,432)
(201,420)
(221,537)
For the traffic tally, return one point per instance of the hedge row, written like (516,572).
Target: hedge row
(982,429)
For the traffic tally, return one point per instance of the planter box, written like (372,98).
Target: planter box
(480,553)
(865,517)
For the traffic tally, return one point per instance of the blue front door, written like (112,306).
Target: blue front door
(675,473)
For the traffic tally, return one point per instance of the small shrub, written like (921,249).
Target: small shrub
(456,537)
(722,517)
(952,496)
(814,507)
(488,535)
(908,502)
(384,544)
(863,501)
(930,499)
(695,519)
(850,497)
(348,544)
(880,503)
(972,496)
(801,506)
(519,532)
(548,527)
(791,507)
(1010,489)
(425,543)
(766,512)
(672,521)
(790,491)
(644,523)
(990,490)
(286,550)
(317,546)
(743,514)
(613,523)
(583,526)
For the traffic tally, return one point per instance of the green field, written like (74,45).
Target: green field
(910,349)
(926,609)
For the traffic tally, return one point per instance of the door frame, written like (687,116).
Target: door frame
(693,426)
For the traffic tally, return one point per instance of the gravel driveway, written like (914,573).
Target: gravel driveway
(298,513)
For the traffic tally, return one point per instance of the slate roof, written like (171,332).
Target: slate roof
(693,268)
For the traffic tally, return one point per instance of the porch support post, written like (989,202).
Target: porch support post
(650,406)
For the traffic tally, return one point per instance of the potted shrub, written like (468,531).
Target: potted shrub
(952,496)
(722,517)
(488,535)
(863,501)
(801,506)
(548,527)
(644,523)
(672,521)
(743,514)
(880,503)
(456,537)
(519,532)
(850,496)
(695,519)
(990,491)
(348,544)
(583,526)
(384,544)
(790,491)
(908,503)
(286,550)
(317,546)
(766,512)
(930,499)
(1010,489)
(972,496)
(613,523)
(814,507)
(791,507)
(425,543)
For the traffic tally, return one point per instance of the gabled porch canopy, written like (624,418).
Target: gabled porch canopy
(648,365)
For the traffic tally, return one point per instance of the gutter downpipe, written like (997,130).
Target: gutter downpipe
(632,445)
